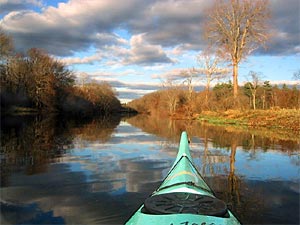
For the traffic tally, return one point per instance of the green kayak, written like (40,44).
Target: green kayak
(183,198)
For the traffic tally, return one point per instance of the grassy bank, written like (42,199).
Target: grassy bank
(288,119)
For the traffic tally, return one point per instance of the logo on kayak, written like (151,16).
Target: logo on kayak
(190,223)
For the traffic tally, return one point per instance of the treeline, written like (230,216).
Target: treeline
(42,83)
(180,101)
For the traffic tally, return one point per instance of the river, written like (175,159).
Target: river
(99,171)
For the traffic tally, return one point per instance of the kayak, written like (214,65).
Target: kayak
(183,198)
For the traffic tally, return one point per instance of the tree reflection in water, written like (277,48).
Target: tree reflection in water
(233,180)
(86,170)
(251,200)
(30,143)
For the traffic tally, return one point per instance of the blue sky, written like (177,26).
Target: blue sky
(134,43)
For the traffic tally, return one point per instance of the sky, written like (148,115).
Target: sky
(137,45)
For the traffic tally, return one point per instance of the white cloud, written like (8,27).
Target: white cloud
(287,82)
(82,60)
(72,26)
(138,52)
(170,75)
(151,26)
(144,53)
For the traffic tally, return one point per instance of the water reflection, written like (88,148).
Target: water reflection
(28,214)
(139,173)
(99,171)
(243,167)
(233,180)
(31,143)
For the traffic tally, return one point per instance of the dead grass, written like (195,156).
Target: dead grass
(283,118)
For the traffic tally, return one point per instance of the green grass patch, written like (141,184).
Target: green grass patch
(221,120)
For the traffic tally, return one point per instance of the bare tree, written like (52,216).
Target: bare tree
(189,75)
(296,75)
(172,90)
(211,67)
(46,76)
(6,50)
(6,45)
(82,78)
(253,86)
(237,28)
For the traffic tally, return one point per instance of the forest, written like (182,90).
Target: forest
(36,82)
(182,101)
(232,31)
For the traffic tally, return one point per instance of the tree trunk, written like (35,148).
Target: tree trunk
(264,99)
(207,91)
(254,100)
(235,80)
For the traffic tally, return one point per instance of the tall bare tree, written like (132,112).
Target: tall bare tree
(237,28)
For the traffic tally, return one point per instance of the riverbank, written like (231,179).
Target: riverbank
(122,111)
(288,119)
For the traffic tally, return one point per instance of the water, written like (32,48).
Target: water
(99,171)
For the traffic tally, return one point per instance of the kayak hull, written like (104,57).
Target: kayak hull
(182,178)
(180,219)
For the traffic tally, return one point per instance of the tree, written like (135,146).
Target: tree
(6,45)
(211,67)
(82,78)
(237,28)
(253,86)
(296,75)
(6,49)
(172,91)
(189,74)
(41,88)
(221,90)
(267,95)
(222,96)
(47,77)
(188,97)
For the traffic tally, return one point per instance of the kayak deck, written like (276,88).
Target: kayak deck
(180,219)
(183,198)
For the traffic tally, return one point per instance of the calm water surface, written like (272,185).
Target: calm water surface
(58,171)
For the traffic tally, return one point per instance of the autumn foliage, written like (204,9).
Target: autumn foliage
(38,81)
(175,102)
(89,99)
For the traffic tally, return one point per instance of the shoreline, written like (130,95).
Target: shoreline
(280,124)
(286,119)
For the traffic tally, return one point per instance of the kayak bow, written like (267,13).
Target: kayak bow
(183,198)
